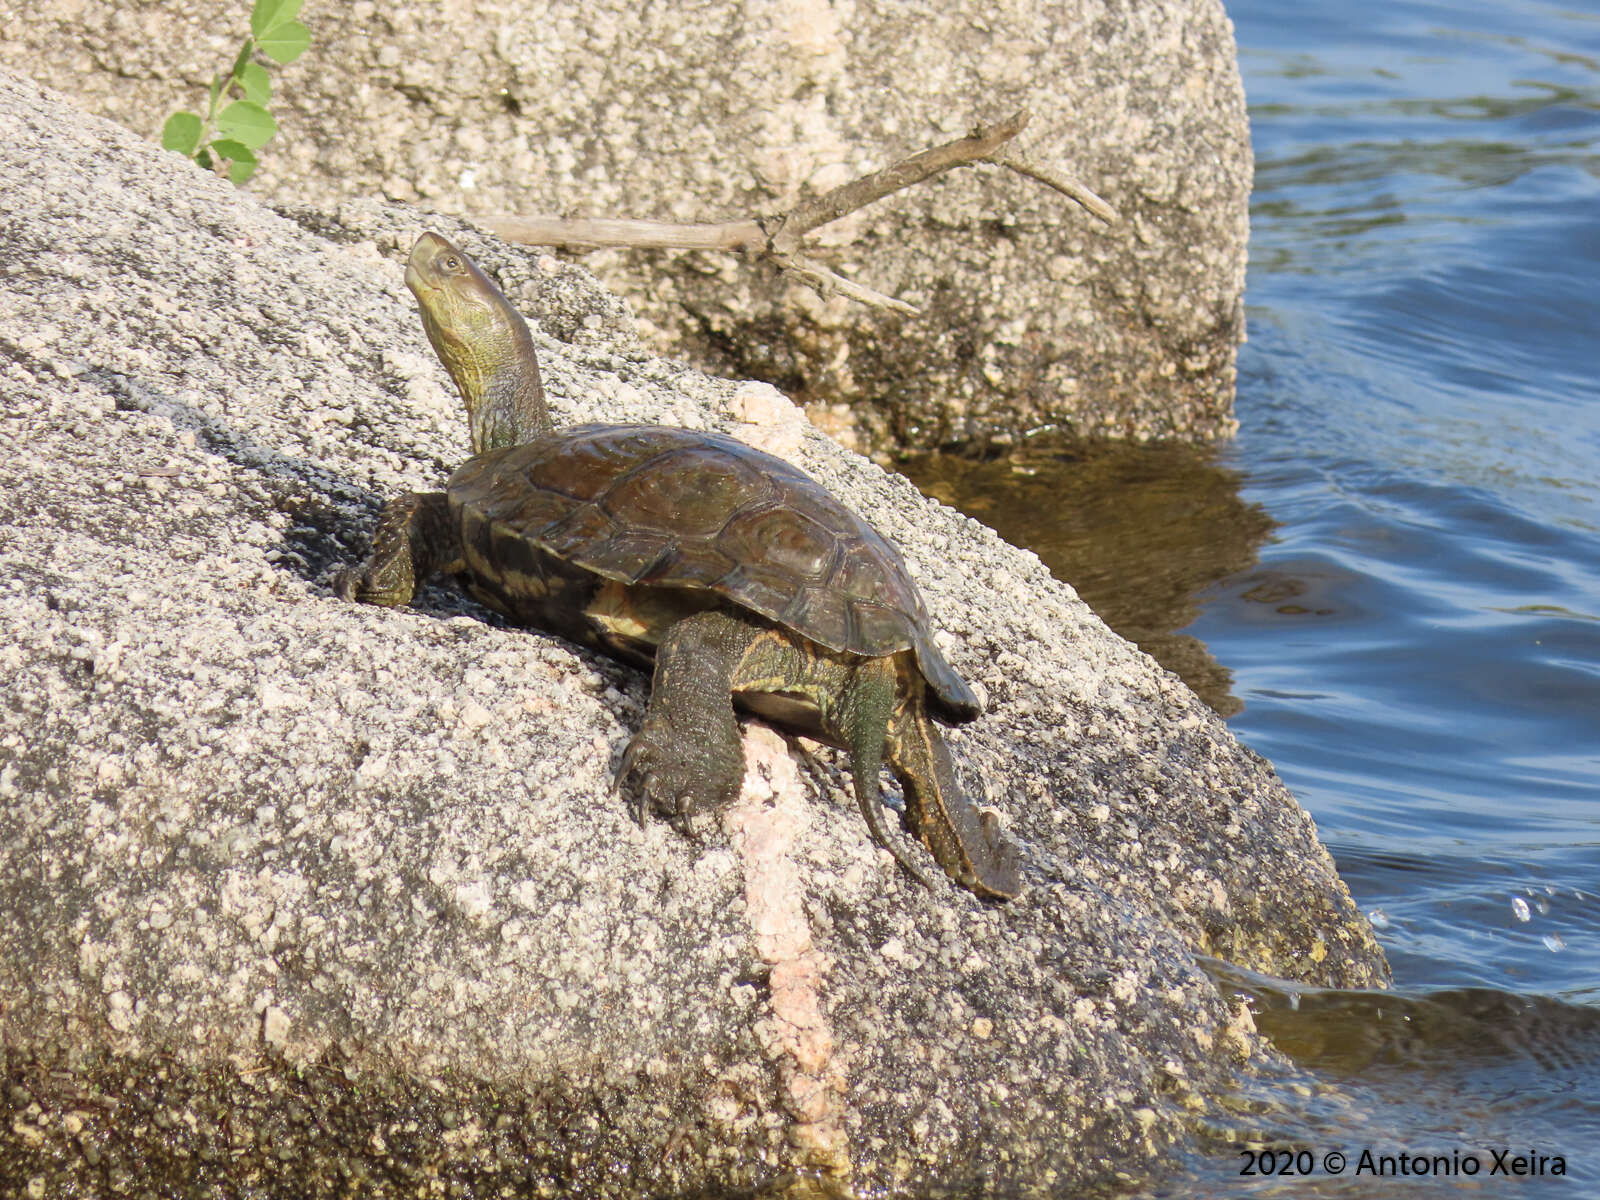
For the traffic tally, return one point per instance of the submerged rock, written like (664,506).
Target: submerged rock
(307,896)
(1034,313)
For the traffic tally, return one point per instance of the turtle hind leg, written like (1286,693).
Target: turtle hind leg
(970,847)
(687,756)
(415,538)
(852,700)
(863,718)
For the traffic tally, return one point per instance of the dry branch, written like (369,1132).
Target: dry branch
(858,193)
(780,240)
(638,235)
(828,282)
(1009,156)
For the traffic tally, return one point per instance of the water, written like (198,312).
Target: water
(1391,581)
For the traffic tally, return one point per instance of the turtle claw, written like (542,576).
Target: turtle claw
(661,773)
(367,584)
(361,585)
(636,798)
(682,818)
(880,835)
(344,583)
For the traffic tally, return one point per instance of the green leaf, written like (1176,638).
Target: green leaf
(204,158)
(243,59)
(217,84)
(231,150)
(269,14)
(241,161)
(245,122)
(257,84)
(285,43)
(182,133)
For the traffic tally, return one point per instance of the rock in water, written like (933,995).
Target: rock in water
(1034,313)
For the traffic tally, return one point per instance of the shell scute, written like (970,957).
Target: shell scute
(693,492)
(787,538)
(483,486)
(873,573)
(825,613)
(770,592)
(876,625)
(575,533)
(698,564)
(632,556)
(592,457)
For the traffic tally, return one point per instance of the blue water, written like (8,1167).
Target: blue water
(1418,647)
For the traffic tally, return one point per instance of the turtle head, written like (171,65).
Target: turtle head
(483,342)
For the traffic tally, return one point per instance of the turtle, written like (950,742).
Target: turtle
(733,576)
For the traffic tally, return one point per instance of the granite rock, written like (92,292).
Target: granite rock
(307,897)
(1034,314)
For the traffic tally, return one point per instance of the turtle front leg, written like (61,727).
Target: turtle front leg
(687,755)
(415,538)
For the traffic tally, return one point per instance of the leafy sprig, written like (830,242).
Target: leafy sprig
(233,129)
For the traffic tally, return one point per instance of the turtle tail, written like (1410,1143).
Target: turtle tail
(950,699)
(968,845)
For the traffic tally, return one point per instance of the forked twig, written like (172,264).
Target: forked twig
(858,193)
(780,240)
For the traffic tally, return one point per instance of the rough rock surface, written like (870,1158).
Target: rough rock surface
(308,898)
(1034,313)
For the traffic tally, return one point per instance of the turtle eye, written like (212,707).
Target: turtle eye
(451,262)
